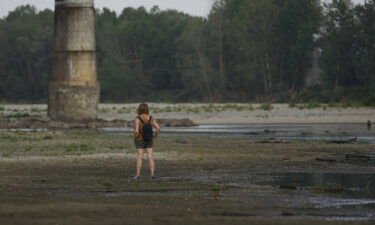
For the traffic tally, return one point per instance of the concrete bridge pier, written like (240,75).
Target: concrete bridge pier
(74,89)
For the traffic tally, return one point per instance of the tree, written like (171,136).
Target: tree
(339,48)
(26,55)
(196,71)
(298,23)
(365,59)
(254,29)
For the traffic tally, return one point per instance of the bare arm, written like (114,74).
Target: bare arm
(136,127)
(157,127)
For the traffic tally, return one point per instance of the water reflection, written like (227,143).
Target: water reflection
(328,132)
(344,184)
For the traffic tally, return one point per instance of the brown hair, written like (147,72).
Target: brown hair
(143,109)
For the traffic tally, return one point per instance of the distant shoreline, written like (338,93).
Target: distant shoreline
(231,113)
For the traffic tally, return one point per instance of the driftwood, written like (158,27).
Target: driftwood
(357,157)
(343,141)
(272,141)
(325,160)
(288,187)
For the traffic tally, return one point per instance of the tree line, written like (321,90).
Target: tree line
(245,50)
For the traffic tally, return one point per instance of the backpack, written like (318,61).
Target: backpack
(147,131)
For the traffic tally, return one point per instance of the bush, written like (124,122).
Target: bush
(370,102)
(313,105)
(266,107)
(326,95)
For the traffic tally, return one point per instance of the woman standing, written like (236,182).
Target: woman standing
(144,138)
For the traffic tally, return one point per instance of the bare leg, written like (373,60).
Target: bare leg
(151,161)
(139,161)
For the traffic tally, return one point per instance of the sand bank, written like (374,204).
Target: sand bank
(223,113)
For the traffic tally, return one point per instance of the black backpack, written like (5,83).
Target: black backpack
(147,131)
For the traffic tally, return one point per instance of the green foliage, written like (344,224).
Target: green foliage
(245,50)
(215,188)
(348,51)
(78,147)
(115,147)
(18,115)
(108,184)
(266,107)
(26,53)
(313,105)
(369,101)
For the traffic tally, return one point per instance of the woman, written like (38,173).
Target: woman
(140,138)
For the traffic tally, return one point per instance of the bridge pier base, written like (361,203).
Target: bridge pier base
(74,90)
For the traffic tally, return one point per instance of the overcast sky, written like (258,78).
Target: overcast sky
(193,7)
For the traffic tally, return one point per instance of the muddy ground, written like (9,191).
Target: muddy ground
(84,177)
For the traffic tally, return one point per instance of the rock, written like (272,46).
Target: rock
(288,187)
(325,160)
(347,141)
(57,124)
(287,213)
(176,122)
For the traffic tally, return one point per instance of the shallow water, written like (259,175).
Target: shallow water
(327,132)
(325,196)
(351,185)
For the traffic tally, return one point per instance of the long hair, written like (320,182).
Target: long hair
(143,109)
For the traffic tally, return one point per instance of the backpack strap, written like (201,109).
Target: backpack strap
(143,122)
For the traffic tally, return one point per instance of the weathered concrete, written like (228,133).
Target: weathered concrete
(74,90)
(73,102)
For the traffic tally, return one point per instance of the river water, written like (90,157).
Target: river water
(325,132)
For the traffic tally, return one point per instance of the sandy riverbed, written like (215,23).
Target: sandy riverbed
(224,113)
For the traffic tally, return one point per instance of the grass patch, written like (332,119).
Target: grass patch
(336,189)
(215,187)
(78,147)
(6,154)
(266,107)
(313,105)
(115,147)
(108,184)
(104,110)
(37,110)
(18,115)
(13,138)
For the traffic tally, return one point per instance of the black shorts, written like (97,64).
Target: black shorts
(141,144)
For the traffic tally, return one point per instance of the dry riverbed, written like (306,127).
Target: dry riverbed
(230,113)
(84,177)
